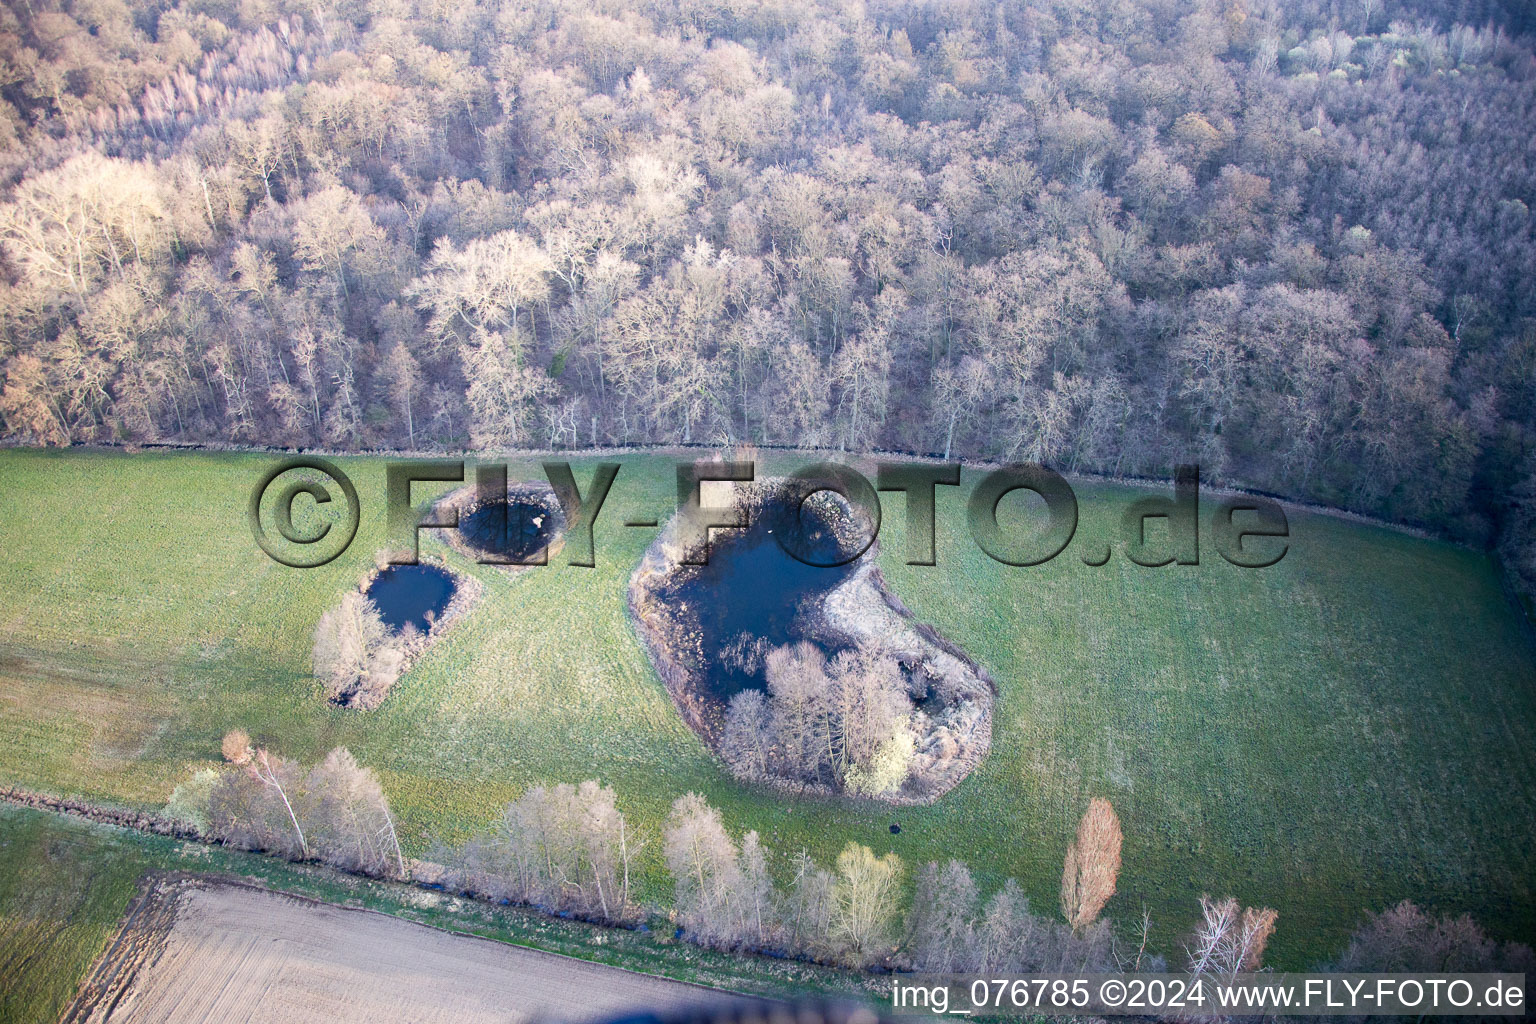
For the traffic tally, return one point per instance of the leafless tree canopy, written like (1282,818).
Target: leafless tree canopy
(851,912)
(1230,937)
(950,929)
(839,724)
(354,655)
(563,848)
(1406,939)
(942,920)
(349,824)
(568,848)
(559,848)
(705,867)
(726,897)
(336,812)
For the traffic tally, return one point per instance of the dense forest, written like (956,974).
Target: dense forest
(1289,241)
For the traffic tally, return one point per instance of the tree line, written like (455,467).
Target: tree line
(335,812)
(568,849)
(1291,242)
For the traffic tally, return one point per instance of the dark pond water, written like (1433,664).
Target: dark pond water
(512,530)
(411,596)
(750,598)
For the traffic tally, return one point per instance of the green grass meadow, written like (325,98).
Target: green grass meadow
(1351,727)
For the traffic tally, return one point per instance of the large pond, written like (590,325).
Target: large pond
(512,531)
(411,597)
(710,630)
(751,597)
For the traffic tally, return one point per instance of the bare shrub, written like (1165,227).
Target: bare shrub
(236,746)
(189,800)
(745,654)
(1092,865)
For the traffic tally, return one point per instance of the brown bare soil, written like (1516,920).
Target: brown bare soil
(193,951)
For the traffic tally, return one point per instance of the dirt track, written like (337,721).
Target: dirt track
(197,952)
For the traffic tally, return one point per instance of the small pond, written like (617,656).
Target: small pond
(750,598)
(411,597)
(513,530)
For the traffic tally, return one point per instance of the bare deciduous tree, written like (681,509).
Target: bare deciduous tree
(758,900)
(254,806)
(866,895)
(481,288)
(705,872)
(353,654)
(561,847)
(1092,865)
(90,218)
(748,734)
(809,905)
(1086,283)
(843,724)
(941,930)
(332,232)
(336,812)
(350,825)
(1405,939)
(1230,937)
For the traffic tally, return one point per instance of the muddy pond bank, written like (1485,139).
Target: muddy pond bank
(525,526)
